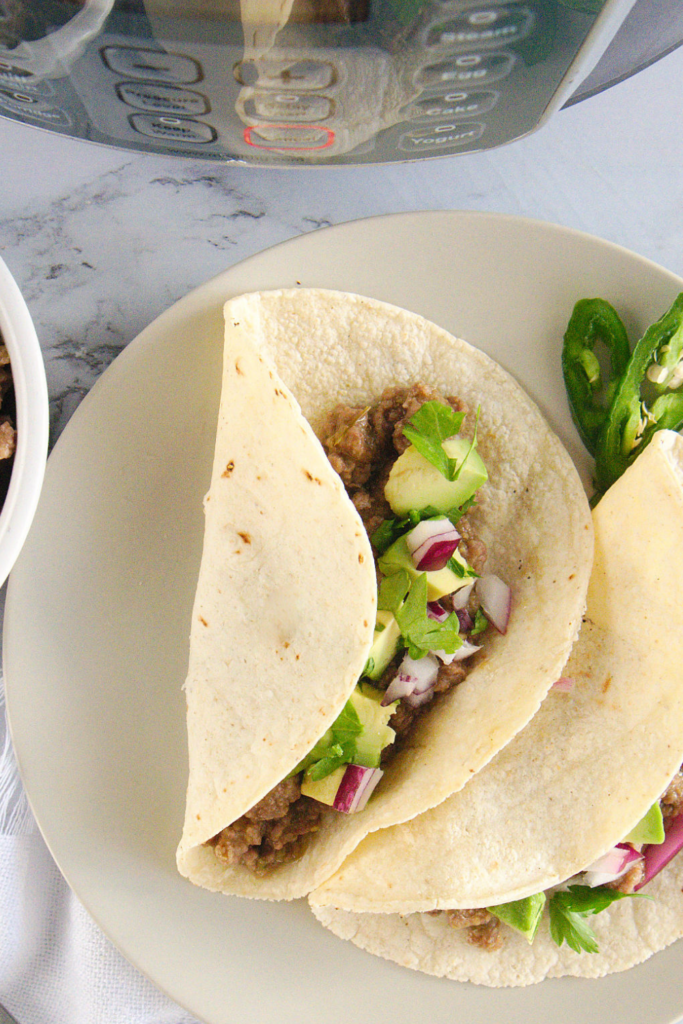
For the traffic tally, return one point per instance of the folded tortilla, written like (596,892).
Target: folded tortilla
(567,789)
(285,605)
(330,347)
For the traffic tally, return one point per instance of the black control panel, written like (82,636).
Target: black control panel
(282,82)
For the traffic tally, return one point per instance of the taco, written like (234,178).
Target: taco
(268,761)
(581,813)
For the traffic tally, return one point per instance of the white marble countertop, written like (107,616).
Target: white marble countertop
(101,241)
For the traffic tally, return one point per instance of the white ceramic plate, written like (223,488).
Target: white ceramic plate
(99,604)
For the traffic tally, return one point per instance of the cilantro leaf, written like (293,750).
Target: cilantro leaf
(392,591)
(420,633)
(336,757)
(336,747)
(391,529)
(461,569)
(431,425)
(480,623)
(570,927)
(347,725)
(569,909)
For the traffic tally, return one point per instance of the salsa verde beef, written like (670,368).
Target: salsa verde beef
(298,750)
(362,445)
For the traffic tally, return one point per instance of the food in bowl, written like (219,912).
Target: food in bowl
(24,420)
(8,433)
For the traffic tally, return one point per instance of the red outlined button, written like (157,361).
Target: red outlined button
(291,137)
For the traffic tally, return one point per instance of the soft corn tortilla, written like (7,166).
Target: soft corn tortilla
(628,933)
(276,644)
(331,347)
(569,787)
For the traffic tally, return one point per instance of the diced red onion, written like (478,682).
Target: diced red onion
(439,614)
(496,600)
(611,865)
(431,543)
(465,620)
(436,611)
(565,684)
(658,855)
(400,686)
(355,788)
(459,598)
(464,651)
(415,681)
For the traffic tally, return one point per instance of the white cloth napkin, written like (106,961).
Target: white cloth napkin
(56,966)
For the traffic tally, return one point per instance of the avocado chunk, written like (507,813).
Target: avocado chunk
(384,644)
(324,790)
(414,483)
(522,915)
(439,583)
(375,734)
(650,828)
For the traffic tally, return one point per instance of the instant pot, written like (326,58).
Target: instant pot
(292,82)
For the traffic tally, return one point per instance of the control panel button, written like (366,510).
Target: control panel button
(467,69)
(288,106)
(12,73)
(24,83)
(162,98)
(456,103)
(442,136)
(38,108)
(151,65)
(299,75)
(292,137)
(484,27)
(172,129)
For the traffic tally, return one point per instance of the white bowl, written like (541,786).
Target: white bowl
(32,421)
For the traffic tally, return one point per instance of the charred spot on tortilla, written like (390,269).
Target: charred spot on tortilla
(203,621)
(245,537)
(238,368)
(228,469)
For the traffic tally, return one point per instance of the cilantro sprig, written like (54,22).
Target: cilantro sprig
(431,425)
(568,910)
(391,529)
(427,430)
(335,748)
(408,602)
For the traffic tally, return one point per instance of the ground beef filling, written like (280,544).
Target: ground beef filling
(273,832)
(362,444)
(480,927)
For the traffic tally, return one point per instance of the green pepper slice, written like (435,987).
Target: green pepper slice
(592,321)
(634,418)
